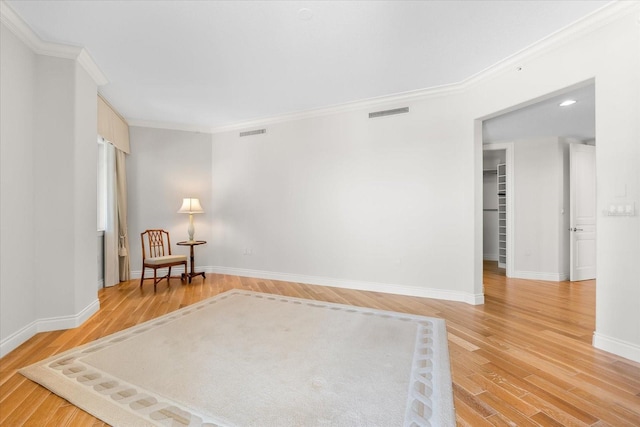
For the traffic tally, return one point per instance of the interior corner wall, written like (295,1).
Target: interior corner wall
(48,170)
(54,186)
(85,184)
(17,203)
(164,167)
(65,196)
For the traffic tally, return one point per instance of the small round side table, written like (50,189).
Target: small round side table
(191,244)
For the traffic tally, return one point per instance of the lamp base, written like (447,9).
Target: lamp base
(191,229)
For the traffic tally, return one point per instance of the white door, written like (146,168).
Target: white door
(582,209)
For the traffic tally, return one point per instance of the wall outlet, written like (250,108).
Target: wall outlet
(248,251)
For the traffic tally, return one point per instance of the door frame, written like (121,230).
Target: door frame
(478,147)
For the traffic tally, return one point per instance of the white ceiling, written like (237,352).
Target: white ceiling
(215,63)
(547,118)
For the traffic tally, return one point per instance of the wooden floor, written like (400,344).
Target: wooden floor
(523,358)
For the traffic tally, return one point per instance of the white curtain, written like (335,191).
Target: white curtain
(111,235)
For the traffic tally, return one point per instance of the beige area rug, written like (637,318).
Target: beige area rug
(250,359)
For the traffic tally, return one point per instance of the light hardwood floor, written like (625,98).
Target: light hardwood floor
(523,358)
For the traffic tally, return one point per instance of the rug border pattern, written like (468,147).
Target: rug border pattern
(133,405)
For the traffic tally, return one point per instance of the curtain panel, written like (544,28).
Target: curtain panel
(121,201)
(114,130)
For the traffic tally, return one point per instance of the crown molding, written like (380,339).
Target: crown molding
(587,24)
(86,61)
(381,102)
(169,126)
(388,100)
(19,27)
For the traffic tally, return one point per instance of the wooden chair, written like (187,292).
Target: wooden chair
(156,244)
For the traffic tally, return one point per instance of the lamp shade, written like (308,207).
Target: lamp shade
(190,206)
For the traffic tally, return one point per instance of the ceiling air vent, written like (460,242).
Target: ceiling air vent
(253,132)
(389,112)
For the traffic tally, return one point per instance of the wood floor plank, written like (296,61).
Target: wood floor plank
(505,395)
(545,420)
(467,416)
(507,412)
(43,416)
(522,358)
(598,407)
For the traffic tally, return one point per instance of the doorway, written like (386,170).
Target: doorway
(538,217)
(497,177)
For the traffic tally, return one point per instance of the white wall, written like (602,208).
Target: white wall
(618,180)
(539,196)
(54,195)
(17,105)
(349,201)
(85,191)
(48,253)
(164,167)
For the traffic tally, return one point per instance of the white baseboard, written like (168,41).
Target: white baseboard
(48,324)
(490,257)
(12,342)
(443,294)
(616,346)
(537,275)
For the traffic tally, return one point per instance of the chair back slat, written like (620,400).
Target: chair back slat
(155,243)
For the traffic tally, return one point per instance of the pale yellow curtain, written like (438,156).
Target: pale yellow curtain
(121,201)
(112,127)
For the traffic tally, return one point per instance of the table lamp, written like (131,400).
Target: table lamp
(190,206)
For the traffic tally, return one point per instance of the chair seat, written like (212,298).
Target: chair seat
(167,259)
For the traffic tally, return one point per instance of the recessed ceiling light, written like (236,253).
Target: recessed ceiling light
(567,102)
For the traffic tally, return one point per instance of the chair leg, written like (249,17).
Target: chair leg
(184,276)
(155,281)
(169,277)
(142,277)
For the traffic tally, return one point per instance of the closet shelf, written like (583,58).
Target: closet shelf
(501,170)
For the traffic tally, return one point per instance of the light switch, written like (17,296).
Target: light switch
(621,209)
